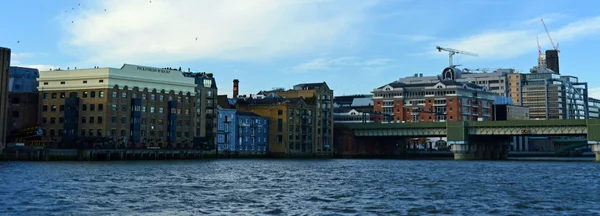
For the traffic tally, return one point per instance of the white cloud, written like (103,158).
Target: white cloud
(166,31)
(503,44)
(321,64)
(16,61)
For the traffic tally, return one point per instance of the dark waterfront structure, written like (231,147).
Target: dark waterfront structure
(23,98)
(4,65)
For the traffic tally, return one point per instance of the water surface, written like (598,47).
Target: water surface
(300,187)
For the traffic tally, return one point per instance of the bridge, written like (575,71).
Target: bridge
(474,139)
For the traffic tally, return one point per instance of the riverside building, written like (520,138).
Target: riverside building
(134,106)
(443,99)
(4,65)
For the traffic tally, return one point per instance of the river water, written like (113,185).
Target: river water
(300,187)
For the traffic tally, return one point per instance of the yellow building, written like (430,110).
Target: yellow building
(291,123)
(321,96)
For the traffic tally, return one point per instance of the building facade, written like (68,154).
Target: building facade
(4,65)
(496,80)
(353,109)
(134,106)
(594,108)
(23,109)
(242,132)
(292,123)
(321,97)
(206,108)
(444,100)
(549,95)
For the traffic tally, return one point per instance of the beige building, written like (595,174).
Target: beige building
(321,96)
(4,65)
(133,106)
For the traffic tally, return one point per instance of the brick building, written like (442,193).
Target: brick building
(134,106)
(291,124)
(444,99)
(321,96)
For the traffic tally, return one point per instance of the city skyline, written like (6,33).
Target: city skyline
(303,41)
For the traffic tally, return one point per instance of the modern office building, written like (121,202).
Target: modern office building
(23,98)
(4,65)
(135,106)
(292,123)
(242,132)
(594,108)
(443,100)
(321,96)
(549,95)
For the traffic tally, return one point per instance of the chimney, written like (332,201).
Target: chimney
(235,88)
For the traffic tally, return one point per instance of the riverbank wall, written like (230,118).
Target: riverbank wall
(144,154)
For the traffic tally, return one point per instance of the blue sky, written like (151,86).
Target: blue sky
(353,45)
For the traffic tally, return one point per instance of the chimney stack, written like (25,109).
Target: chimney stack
(235,88)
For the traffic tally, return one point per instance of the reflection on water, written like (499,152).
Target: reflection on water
(299,187)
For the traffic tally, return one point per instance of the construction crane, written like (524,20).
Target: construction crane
(548,33)
(541,57)
(452,52)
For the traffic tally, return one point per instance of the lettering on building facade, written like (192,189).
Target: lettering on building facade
(153,70)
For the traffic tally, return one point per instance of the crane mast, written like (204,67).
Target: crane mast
(452,52)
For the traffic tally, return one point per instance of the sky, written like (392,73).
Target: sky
(353,45)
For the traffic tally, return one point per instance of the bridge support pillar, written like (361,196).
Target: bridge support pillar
(596,150)
(462,150)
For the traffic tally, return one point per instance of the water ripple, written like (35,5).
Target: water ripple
(299,187)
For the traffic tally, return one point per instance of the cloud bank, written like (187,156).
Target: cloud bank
(184,30)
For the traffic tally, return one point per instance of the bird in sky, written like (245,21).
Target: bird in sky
(18,41)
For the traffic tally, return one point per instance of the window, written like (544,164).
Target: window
(85,94)
(93,94)
(114,107)
(82,132)
(124,95)
(100,94)
(279,112)
(170,97)
(62,95)
(53,95)
(279,125)
(85,81)
(61,120)
(92,107)
(143,121)
(52,120)
(279,138)
(187,111)
(44,120)
(101,81)
(152,97)
(123,120)
(124,108)
(100,107)
(91,120)
(91,132)
(83,120)
(45,96)
(45,83)
(152,109)
(61,108)
(160,110)
(113,120)
(207,84)
(161,97)
(99,120)
(53,108)
(83,107)
(99,133)
(63,82)
(114,94)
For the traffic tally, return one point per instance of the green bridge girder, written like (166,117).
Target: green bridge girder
(459,131)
